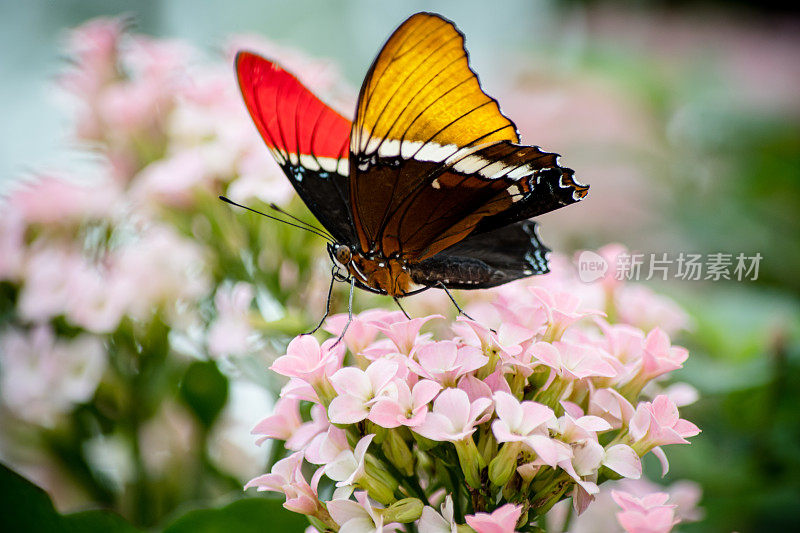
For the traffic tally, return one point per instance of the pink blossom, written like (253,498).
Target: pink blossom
(640,306)
(562,310)
(161,269)
(650,514)
(528,422)
(611,406)
(305,359)
(623,341)
(508,339)
(229,333)
(358,390)
(445,361)
(282,423)
(574,427)
(286,477)
(61,200)
(572,360)
(402,331)
(433,522)
(453,417)
(361,331)
(42,376)
(285,424)
(501,520)
(658,423)
(93,46)
(623,460)
(12,245)
(348,467)
(325,447)
(175,180)
(403,406)
(357,517)
(659,356)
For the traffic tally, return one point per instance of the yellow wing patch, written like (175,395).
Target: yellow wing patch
(421,99)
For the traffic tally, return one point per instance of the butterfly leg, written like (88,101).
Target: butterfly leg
(401,307)
(349,312)
(449,295)
(327,304)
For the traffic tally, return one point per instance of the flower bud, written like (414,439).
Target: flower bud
(504,464)
(404,511)
(471,461)
(377,481)
(398,453)
(424,443)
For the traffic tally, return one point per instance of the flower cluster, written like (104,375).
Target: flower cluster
(113,272)
(483,424)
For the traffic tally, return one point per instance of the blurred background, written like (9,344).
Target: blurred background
(137,315)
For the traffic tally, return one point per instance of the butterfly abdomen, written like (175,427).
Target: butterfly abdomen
(463,273)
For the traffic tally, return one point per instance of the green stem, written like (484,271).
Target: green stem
(455,485)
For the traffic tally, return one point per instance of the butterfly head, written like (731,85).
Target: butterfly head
(341,255)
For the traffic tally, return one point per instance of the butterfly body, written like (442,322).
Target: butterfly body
(429,185)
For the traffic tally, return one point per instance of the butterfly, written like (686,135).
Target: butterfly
(429,185)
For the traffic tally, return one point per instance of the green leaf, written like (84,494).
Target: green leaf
(205,390)
(256,515)
(26,507)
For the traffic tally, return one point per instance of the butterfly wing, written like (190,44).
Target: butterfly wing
(308,139)
(487,259)
(431,153)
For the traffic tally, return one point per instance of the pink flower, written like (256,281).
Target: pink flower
(93,46)
(230,332)
(61,200)
(571,360)
(659,423)
(573,426)
(348,467)
(12,245)
(42,376)
(325,447)
(453,417)
(285,424)
(611,406)
(287,478)
(357,517)
(647,515)
(402,331)
(361,331)
(305,359)
(528,422)
(445,361)
(175,180)
(562,310)
(640,306)
(358,390)
(282,423)
(509,338)
(403,406)
(433,522)
(659,356)
(501,520)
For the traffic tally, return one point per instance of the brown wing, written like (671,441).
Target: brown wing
(431,153)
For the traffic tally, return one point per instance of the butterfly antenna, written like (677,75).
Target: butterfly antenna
(283,212)
(312,230)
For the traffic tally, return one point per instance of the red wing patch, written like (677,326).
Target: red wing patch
(298,128)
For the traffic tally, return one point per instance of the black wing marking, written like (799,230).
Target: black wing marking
(486,260)
(309,140)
